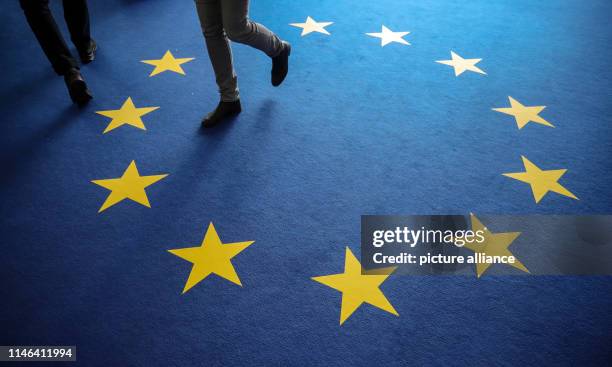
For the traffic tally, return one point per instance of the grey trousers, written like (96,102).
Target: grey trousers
(224,20)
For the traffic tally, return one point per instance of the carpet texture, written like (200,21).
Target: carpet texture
(355,129)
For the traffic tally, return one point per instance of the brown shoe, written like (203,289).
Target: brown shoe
(89,54)
(77,88)
(280,65)
(223,112)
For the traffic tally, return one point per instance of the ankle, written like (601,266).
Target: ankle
(71,71)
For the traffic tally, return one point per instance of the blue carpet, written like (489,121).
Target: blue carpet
(355,129)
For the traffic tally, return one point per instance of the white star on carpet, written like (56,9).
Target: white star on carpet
(312,26)
(387,36)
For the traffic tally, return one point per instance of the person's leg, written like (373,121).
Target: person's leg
(241,29)
(77,19)
(219,51)
(45,29)
(220,54)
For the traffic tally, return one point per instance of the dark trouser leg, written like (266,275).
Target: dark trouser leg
(219,51)
(77,19)
(46,31)
(241,29)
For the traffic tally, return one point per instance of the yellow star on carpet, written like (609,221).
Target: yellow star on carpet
(495,244)
(357,288)
(462,65)
(541,181)
(131,185)
(168,63)
(387,36)
(128,114)
(523,114)
(312,26)
(211,257)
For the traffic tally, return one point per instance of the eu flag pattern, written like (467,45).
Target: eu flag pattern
(355,129)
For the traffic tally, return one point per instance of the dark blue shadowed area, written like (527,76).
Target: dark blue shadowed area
(355,129)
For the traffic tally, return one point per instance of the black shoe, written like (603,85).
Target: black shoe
(77,87)
(222,113)
(89,54)
(280,65)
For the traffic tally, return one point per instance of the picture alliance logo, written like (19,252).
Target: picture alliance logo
(411,237)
